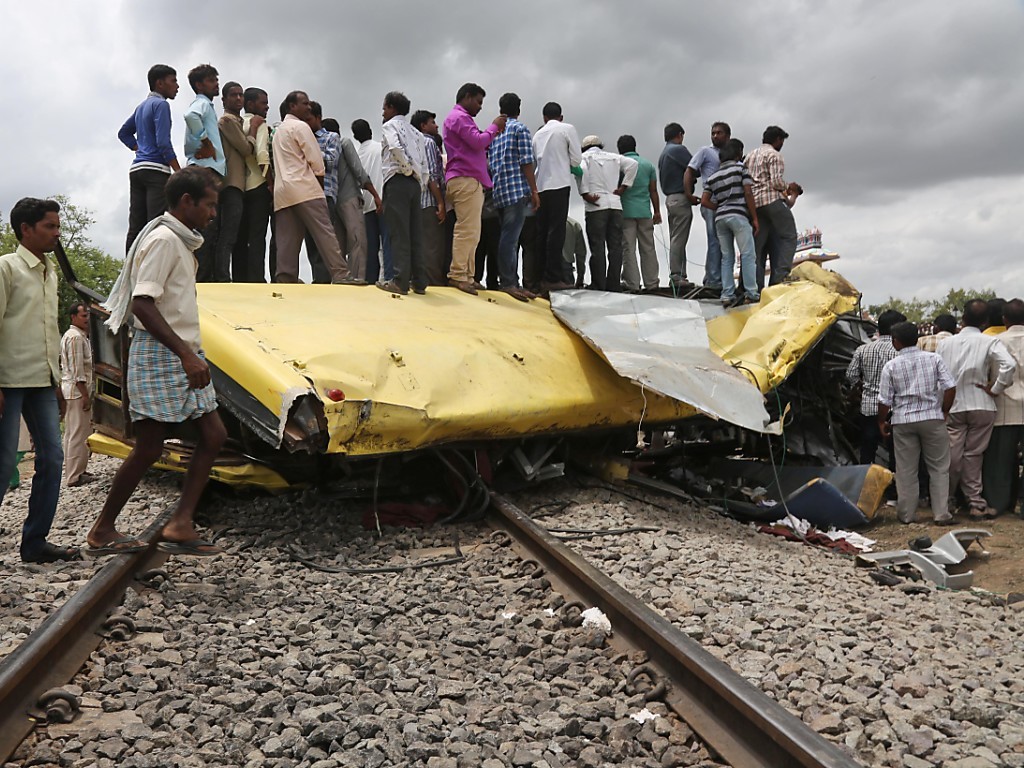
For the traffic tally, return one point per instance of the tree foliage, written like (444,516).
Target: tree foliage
(92,266)
(925,310)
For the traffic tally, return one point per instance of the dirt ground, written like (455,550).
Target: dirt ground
(1002,571)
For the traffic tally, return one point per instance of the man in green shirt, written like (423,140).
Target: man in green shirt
(638,222)
(30,372)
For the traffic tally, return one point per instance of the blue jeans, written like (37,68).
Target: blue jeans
(38,406)
(735,226)
(713,265)
(512,218)
(378,248)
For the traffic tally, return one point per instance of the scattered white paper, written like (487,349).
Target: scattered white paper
(549,611)
(508,614)
(643,716)
(863,543)
(594,617)
(250,622)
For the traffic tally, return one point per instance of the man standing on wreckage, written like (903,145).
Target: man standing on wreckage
(168,378)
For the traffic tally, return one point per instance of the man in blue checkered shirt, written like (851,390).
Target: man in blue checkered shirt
(511,164)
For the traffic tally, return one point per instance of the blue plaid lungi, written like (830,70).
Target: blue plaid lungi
(157,386)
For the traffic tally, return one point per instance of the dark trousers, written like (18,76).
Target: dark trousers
(38,406)
(378,249)
(214,255)
(1000,472)
(402,219)
(146,200)
(554,208)
(487,252)
(533,262)
(870,439)
(604,228)
(248,260)
(776,224)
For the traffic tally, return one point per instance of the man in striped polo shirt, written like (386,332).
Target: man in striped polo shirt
(728,193)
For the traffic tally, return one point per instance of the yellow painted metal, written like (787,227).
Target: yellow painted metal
(247,473)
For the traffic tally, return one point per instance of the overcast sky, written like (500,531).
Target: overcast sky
(899,114)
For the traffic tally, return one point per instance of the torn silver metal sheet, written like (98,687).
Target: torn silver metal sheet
(662,344)
(931,562)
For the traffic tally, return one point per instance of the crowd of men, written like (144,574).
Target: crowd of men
(431,205)
(950,407)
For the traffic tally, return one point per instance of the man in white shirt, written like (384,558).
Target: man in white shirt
(76,386)
(404,164)
(602,199)
(378,244)
(1001,470)
(556,150)
(983,369)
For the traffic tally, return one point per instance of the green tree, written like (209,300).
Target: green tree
(92,267)
(925,310)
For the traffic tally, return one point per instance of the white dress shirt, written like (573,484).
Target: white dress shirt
(556,148)
(974,358)
(1010,402)
(369,155)
(601,172)
(402,151)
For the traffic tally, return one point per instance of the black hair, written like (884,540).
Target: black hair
(724,126)
(30,211)
(672,130)
(625,143)
(316,109)
(290,100)
(510,104)
(197,74)
(905,333)
(772,134)
(192,180)
(252,94)
(1013,312)
(467,90)
(975,313)
(228,86)
(158,72)
(74,307)
(420,118)
(995,311)
(888,319)
(945,322)
(361,130)
(552,110)
(330,124)
(398,101)
(731,151)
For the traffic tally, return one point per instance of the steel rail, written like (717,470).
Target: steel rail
(60,646)
(739,722)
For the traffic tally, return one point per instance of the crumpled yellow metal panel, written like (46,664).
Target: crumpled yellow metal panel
(417,370)
(768,340)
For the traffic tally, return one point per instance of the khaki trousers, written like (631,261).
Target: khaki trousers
(467,197)
(910,443)
(77,426)
(350,228)
(639,232)
(292,224)
(969,433)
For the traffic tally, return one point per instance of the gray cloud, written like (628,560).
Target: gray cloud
(898,112)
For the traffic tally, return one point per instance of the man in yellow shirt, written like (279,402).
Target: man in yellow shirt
(29,372)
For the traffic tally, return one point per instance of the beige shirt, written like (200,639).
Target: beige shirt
(257,165)
(1010,402)
(297,164)
(75,363)
(165,271)
(237,147)
(29,339)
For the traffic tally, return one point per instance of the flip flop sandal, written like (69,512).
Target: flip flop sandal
(124,546)
(192,547)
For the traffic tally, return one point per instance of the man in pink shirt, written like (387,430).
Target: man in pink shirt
(466,179)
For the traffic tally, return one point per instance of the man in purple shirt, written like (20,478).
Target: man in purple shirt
(466,179)
(147,133)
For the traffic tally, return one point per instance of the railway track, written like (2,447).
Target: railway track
(31,675)
(732,717)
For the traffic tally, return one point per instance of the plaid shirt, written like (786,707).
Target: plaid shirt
(866,368)
(931,343)
(913,384)
(435,170)
(766,169)
(330,147)
(508,153)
